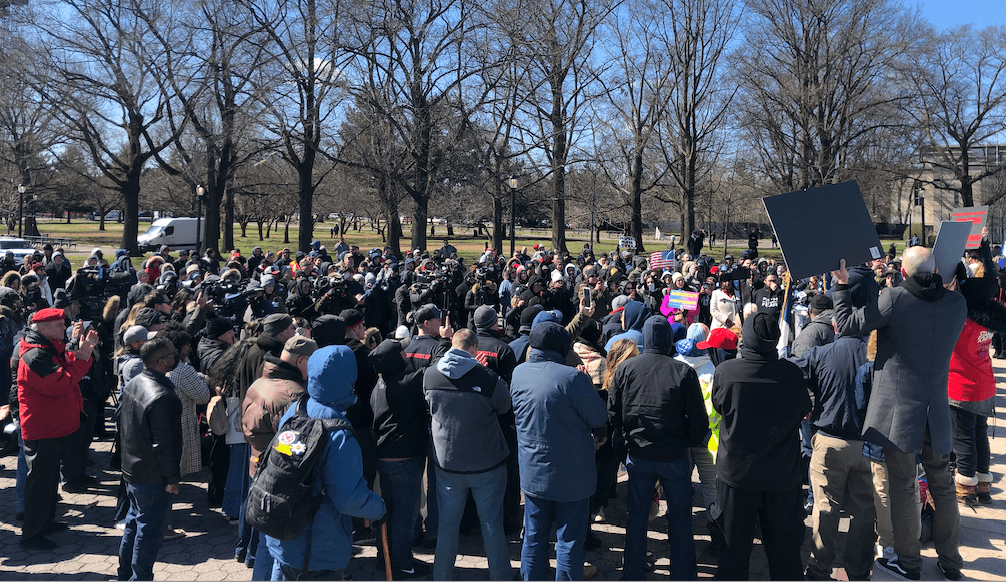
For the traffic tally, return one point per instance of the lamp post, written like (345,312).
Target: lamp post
(199,216)
(922,204)
(512,182)
(20,210)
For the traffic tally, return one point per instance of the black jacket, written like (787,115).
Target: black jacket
(208,351)
(424,351)
(494,353)
(655,403)
(762,400)
(401,422)
(150,427)
(360,415)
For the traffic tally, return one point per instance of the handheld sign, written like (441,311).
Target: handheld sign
(976,215)
(817,228)
(949,247)
(683,300)
(627,242)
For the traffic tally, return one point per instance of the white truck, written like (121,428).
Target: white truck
(177,233)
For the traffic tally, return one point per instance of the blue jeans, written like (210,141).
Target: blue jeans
(675,477)
(22,475)
(237,473)
(145,527)
(571,519)
(291,573)
(264,564)
(487,488)
(401,485)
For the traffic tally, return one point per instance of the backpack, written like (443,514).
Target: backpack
(281,501)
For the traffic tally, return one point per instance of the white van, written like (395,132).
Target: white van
(177,233)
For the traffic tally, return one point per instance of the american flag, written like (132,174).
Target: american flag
(662,260)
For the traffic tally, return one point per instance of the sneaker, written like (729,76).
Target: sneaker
(599,517)
(885,552)
(121,526)
(416,570)
(893,568)
(55,527)
(949,573)
(808,506)
(174,534)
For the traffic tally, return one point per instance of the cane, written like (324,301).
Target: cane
(387,550)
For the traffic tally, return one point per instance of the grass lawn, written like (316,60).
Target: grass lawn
(87,236)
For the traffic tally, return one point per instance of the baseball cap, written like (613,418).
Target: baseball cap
(721,338)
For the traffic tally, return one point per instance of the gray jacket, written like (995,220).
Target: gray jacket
(919,323)
(817,333)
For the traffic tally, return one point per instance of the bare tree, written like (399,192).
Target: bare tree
(555,41)
(105,59)
(960,80)
(817,78)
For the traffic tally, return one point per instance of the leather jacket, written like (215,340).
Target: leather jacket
(150,426)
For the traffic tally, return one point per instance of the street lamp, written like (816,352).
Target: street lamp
(921,200)
(20,210)
(199,215)
(512,182)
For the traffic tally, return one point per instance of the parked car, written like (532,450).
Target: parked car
(19,246)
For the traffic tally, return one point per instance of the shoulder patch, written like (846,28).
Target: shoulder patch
(41,362)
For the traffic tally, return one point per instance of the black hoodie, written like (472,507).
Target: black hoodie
(401,423)
(655,403)
(762,400)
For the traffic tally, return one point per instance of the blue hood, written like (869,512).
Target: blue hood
(658,336)
(554,316)
(331,374)
(634,316)
(456,363)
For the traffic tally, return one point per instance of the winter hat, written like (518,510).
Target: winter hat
(60,299)
(276,324)
(761,333)
(369,280)
(821,302)
(48,314)
(401,332)
(527,317)
(485,318)
(352,317)
(556,276)
(554,316)
(217,326)
(300,346)
(328,330)
(550,336)
(268,280)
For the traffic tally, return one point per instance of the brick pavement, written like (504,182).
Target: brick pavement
(89,551)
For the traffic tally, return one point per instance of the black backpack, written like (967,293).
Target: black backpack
(280,499)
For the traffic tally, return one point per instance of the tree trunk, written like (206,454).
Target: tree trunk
(260,230)
(286,229)
(229,220)
(419,221)
(636,196)
(498,226)
(306,187)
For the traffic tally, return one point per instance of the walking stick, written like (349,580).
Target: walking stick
(387,550)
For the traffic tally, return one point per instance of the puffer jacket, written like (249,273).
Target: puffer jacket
(556,407)
(267,399)
(818,332)
(48,392)
(331,374)
(150,427)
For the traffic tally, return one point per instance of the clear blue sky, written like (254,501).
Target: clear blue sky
(951,13)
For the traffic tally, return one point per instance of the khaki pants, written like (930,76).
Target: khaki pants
(882,502)
(841,476)
(905,511)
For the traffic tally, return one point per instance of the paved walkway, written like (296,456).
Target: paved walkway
(89,551)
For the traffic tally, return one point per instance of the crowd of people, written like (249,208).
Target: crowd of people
(507,394)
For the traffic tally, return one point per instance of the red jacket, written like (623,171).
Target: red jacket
(971,376)
(48,390)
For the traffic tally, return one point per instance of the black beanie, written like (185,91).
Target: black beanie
(527,316)
(761,333)
(217,326)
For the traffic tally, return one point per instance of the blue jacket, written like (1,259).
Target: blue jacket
(830,371)
(556,407)
(331,375)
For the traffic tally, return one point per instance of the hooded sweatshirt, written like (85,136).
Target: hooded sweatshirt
(762,400)
(331,373)
(634,315)
(465,400)
(655,402)
(401,423)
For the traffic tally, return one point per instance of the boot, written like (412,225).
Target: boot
(983,489)
(966,489)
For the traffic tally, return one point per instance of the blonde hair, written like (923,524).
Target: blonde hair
(621,351)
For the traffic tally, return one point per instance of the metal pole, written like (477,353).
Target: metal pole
(513,231)
(20,210)
(922,204)
(199,218)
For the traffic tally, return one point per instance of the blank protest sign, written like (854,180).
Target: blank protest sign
(819,227)
(949,247)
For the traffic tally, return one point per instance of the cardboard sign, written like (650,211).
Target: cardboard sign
(949,247)
(628,243)
(683,300)
(976,215)
(817,228)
